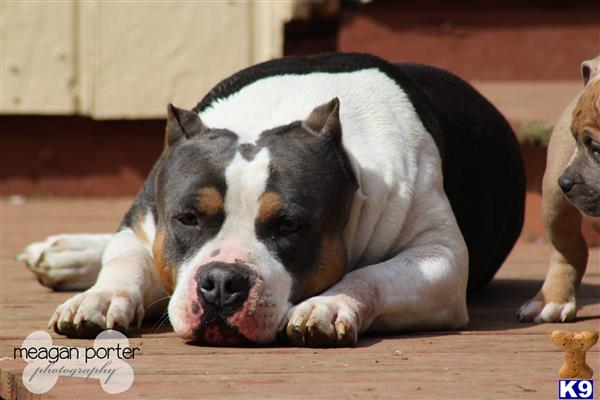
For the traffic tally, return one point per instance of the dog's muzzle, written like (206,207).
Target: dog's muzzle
(223,287)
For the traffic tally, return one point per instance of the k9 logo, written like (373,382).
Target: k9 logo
(569,389)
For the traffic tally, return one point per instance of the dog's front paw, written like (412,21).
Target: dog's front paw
(540,310)
(323,321)
(66,262)
(89,313)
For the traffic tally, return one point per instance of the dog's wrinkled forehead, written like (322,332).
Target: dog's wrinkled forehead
(195,163)
(586,115)
(297,164)
(303,167)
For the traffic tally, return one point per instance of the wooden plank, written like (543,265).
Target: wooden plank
(496,357)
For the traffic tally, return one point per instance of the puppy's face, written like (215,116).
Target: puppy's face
(581,179)
(246,230)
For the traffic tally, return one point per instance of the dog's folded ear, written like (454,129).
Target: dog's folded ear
(181,124)
(325,120)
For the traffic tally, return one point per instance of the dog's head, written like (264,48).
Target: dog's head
(580,181)
(247,229)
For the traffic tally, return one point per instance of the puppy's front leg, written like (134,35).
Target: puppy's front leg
(127,283)
(423,287)
(556,301)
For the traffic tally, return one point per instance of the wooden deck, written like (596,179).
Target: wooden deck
(496,357)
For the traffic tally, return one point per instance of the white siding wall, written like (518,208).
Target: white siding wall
(128,59)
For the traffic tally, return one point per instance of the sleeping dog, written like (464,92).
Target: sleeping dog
(317,197)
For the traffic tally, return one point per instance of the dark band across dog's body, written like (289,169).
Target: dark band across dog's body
(488,200)
(310,169)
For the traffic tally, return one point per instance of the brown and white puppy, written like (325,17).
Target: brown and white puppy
(319,197)
(571,193)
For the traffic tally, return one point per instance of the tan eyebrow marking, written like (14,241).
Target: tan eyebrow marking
(209,201)
(270,204)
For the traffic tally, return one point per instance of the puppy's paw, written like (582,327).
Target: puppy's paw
(540,311)
(66,262)
(322,321)
(89,313)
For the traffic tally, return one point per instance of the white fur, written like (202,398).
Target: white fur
(68,261)
(401,210)
(126,285)
(246,182)
(149,229)
(537,311)
(573,157)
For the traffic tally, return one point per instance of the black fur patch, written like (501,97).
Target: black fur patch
(484,175)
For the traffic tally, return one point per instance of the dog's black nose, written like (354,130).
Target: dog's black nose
(565,183)
(222,284)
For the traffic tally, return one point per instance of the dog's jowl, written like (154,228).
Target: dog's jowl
(317,198)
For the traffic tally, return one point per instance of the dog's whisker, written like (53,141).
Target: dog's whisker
(161,321)
(157,300)
(164,321)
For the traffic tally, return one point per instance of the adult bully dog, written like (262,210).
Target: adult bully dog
(570,193)
(319,197)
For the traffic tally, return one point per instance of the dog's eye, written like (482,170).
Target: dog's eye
(289,225)
(187,219)
(592,145)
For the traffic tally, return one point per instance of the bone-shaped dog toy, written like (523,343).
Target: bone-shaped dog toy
(575,345)
(40,375)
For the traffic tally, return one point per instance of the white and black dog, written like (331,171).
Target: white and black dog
(319,197)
